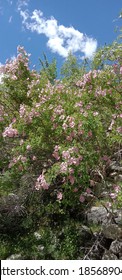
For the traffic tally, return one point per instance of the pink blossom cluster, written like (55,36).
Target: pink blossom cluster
(59,87)
(100,92)
(49,89)
(119,129)
(22,110)
(10,132)
(70,159)
(79,104)
(87,78)
(58,110)
(71,136)
(116,190)
(12,68)
(28,116)
(59,196)
(15,160)
(33,85)
(117,69)
(56,152)
(114,195)
(41,183)
(68,122)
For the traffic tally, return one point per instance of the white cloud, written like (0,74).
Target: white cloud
(22,4)
(10,19)
(10,2)
(24,15)
(61,39)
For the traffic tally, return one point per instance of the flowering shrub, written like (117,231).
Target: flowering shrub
(59,133)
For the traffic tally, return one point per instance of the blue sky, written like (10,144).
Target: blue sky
(56,27)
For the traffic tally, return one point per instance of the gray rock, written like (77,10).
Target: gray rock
(109,256)
(120,177)
(100,215)
(115,167)
(118,216)
(116,247)
(15,257)
(120,254)
(97,215)
(112,231)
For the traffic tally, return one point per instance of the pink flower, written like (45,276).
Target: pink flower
(56,155)
(92,183)
(95,113)
(14,120)
(88,106)
(43,184)
(34,158)
(59,196)
(108,204)
(22,110)
(119,129)
(75,190)
(113,195)
(111,125)
(121,70)
(72,124)
(37,186)
(117,188)
(105,158)
(63,167)
(10,132)
(56,149)
(62,117)
(66,154)
(71,170)
(88,190)
(21,142)
(64,126)
(69,137)
(55,125)
(82,198)
(72,179)
(90,133)
(23,159)
(14,160)
(80,132)
(85,114)
(28,147)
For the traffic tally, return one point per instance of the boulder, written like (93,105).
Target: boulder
(97,215)
(112,231)
(109,256)
(116,247)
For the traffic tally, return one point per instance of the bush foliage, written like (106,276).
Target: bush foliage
(57,133)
